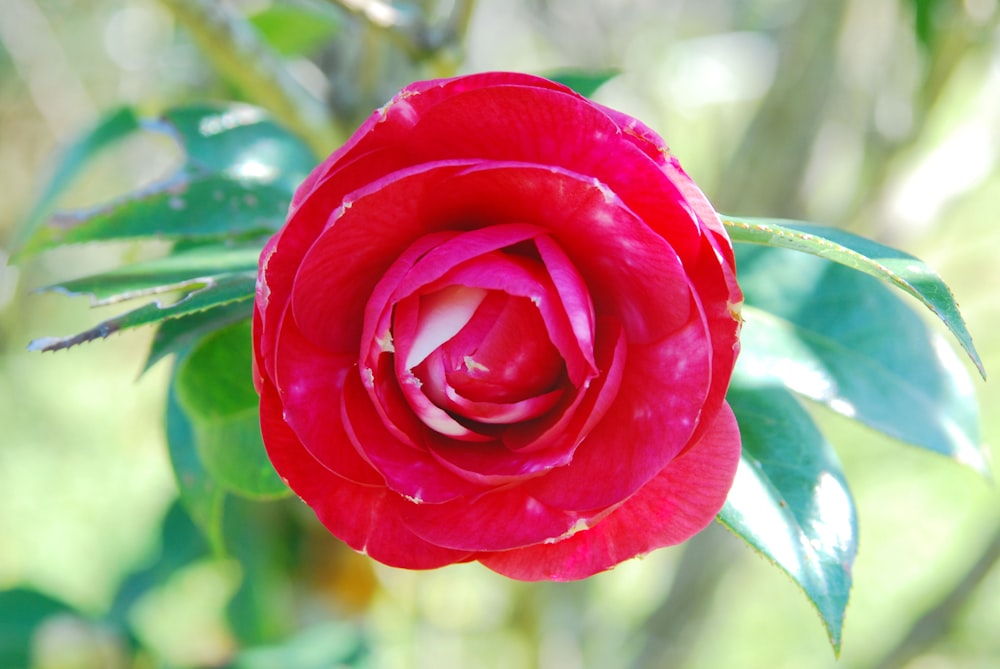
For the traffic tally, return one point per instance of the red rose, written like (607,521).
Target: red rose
(499,326)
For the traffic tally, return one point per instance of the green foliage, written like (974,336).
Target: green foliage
(900,269)
(584,82)
(790,500)
(816,328)
(817,325)
(295,30)
(214,389)
(22,611)
(845,340)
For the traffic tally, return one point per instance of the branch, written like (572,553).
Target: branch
(236,51)
(409,29)
(935,623)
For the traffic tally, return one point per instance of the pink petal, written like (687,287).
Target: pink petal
(361,516)
(675,505)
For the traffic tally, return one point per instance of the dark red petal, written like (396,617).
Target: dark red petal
(363,517)
(675,505)
(651,420)
(310,382)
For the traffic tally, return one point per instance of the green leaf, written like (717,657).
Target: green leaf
(115,126)
(209,206)
(216,292)
(178,334)
(790,502)
(846,340)
(215,390)
(239,141)
(187,270)
(584,82)
(21,612)
(294,30)
(199,492)
(901,269)
(239,171)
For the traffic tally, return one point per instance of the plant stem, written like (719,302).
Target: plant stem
(236,51)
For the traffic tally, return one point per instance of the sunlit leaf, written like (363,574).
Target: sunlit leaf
(790,501)
(186,270)
(215,390)
(901,269)
(215,292)
(846,340)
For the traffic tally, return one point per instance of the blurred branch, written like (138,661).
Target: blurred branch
(669,635)
(409,28)
(236,51)
(936,622)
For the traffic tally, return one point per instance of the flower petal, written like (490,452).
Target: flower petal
(310,383)
(653,416)
(361,516)
(674,506)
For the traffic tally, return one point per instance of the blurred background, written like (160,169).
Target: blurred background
(880,116)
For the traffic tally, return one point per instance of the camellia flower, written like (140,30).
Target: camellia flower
(499,325)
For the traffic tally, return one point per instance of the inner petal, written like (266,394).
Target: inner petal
(442,315)
(503,354)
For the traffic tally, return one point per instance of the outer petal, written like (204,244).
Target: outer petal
(310,382)
(359,515)
(679,502)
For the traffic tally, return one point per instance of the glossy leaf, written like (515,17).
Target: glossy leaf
(846,340)
(790,502)
(114,127)
(238,141)
(215,292)
(215,391)
(901,269)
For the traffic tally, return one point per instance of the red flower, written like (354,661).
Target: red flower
(499,326)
